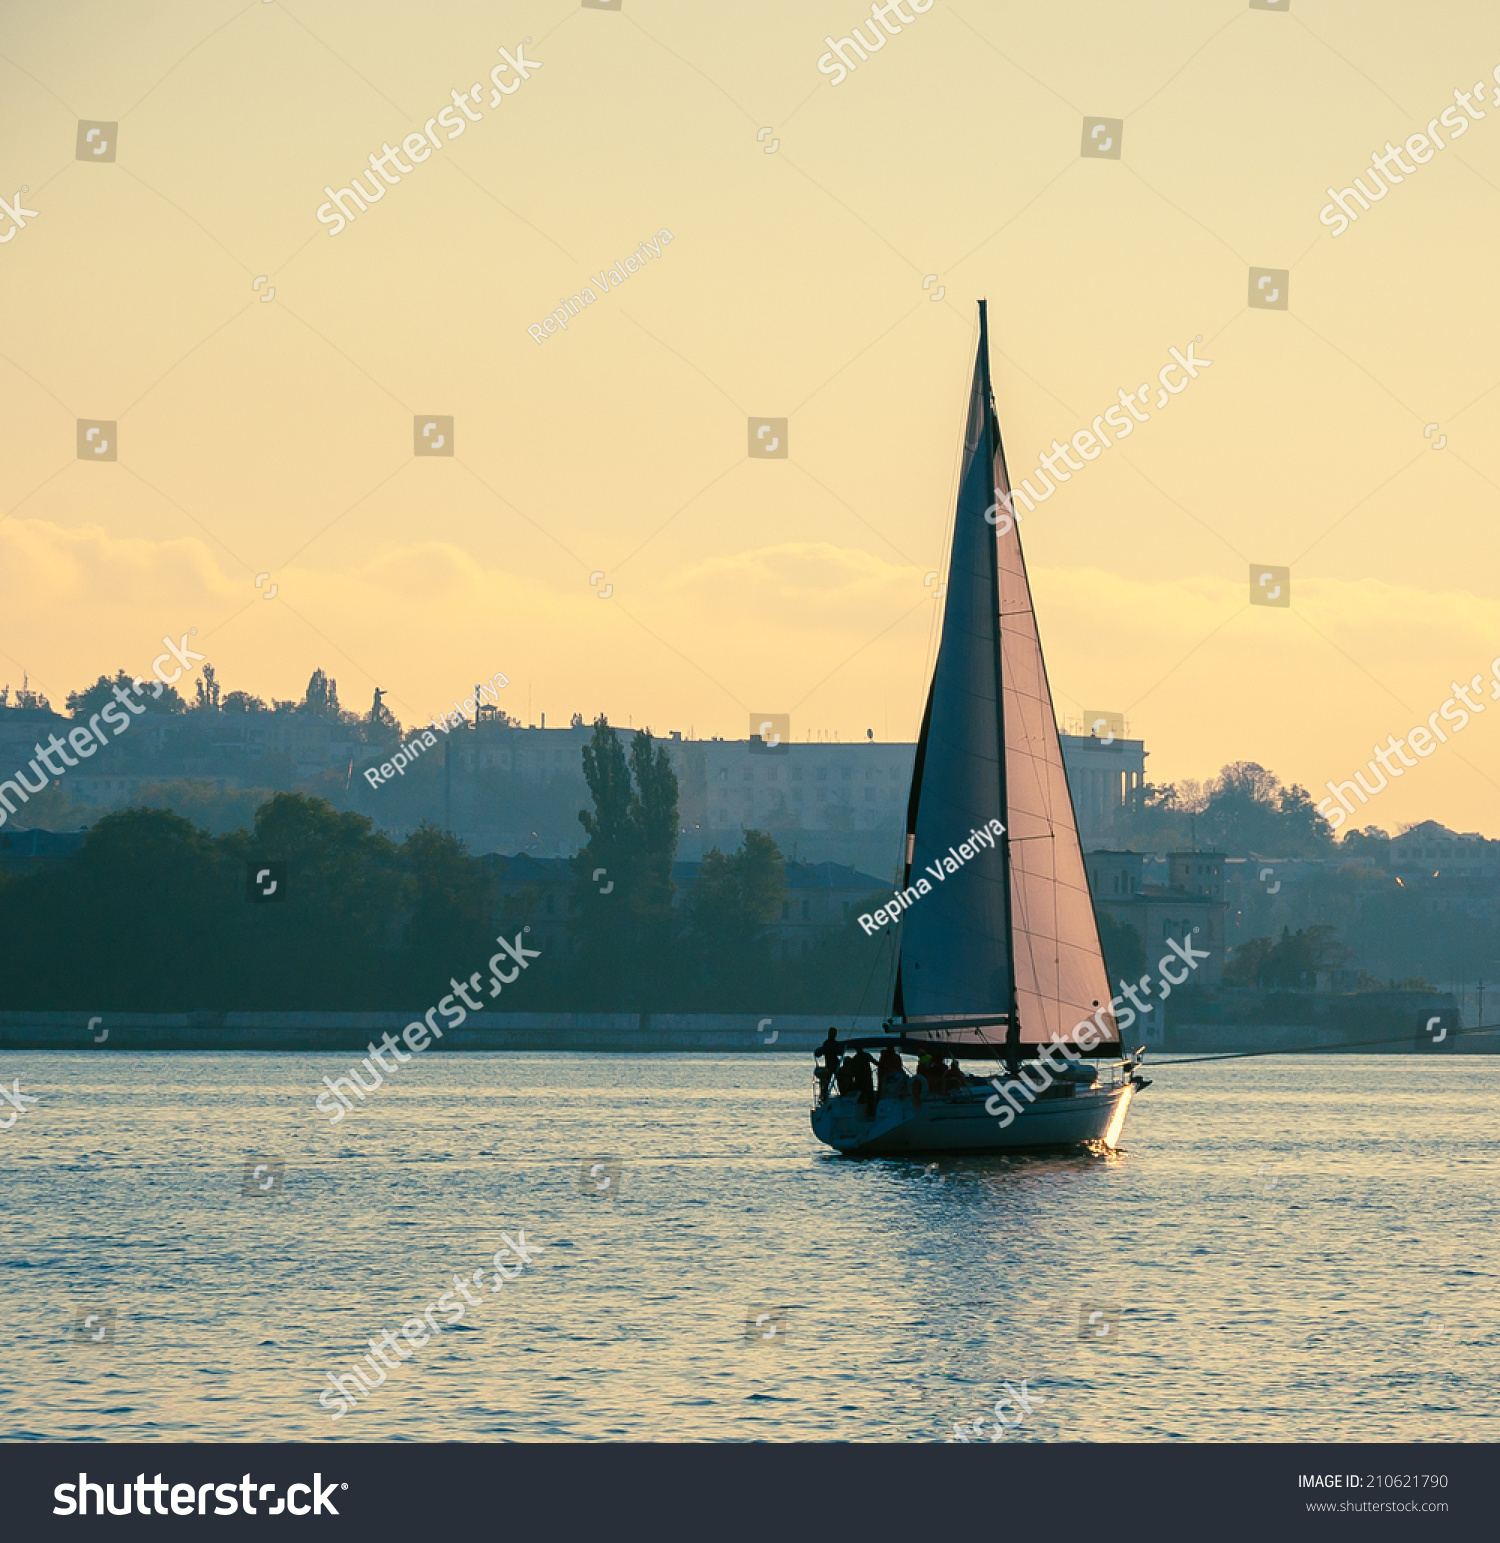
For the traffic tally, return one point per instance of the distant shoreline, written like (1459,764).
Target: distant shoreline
(602,1033)
(346,1032)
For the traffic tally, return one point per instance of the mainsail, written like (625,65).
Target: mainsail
(1005,935)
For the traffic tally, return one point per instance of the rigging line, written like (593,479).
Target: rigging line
(1474,469)
(702,74)
(297,20)
(1246,1055)
(864,995)
(1184,213)
(1353,507)
(238,261)
(1352,65)
(206,38)
(1361,368)
(1212,37)
(1019,69)
(43,84)
(1188,655)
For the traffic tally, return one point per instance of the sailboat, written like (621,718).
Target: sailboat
(997,955)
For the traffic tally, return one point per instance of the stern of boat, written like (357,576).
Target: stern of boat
(1076,1115)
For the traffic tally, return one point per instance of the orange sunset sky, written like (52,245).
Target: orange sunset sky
(1351,436)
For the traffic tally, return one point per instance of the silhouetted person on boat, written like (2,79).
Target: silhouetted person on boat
(863,1078)
(890,1070)
(829,1053)
(930,1070)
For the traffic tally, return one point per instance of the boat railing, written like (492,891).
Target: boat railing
(1109,1076)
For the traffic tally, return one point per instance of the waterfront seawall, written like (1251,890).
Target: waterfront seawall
(623,1033)
(615,1033)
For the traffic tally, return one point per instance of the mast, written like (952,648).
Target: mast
(898,999)
(992,436)
(1002,924)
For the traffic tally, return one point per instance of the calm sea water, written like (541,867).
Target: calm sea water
(1281,1252)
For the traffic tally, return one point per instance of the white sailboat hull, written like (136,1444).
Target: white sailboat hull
(1091,1117)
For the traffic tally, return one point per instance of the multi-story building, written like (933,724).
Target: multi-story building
(30,851)
(504,788)
(231,750)
(538,892)
(1105,776)
(819,898)
(1432,850)
(1187,900)
(820,800)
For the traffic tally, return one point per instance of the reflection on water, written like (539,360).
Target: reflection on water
(1278,1252)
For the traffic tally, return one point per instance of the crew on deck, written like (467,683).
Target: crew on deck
(829,1053)
(854,1073)
(863,1078)
(930,1070)
(891,1072)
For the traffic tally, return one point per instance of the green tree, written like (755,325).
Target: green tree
(452,900)
(608,861)
(204,803)
(54,808)
(735,908)
(95,698)
(1291,963)
(152,914)
(206,691)
(135,920)
(846,970)
(1304,831)
(653,814)
(626,933)
(1244,809)
(1124,958)
(155,696)
(321,698)
(331,943)
(1372,841)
